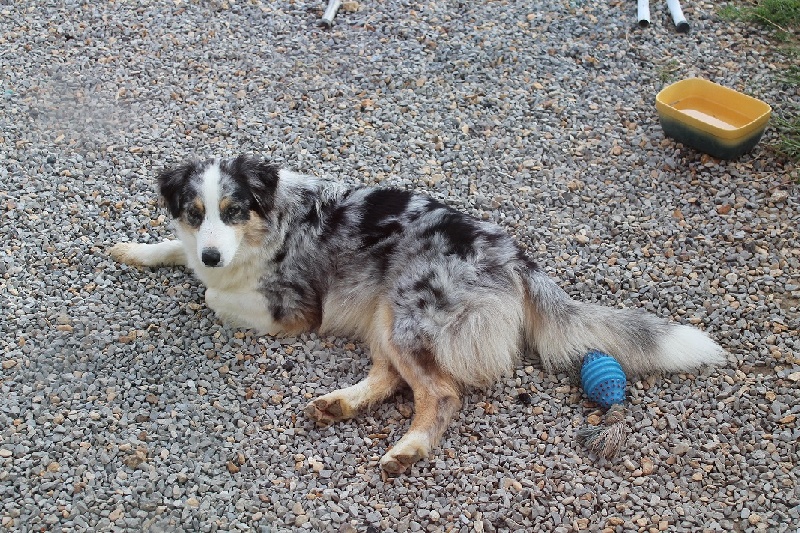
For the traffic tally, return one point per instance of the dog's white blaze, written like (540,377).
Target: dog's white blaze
(213,233)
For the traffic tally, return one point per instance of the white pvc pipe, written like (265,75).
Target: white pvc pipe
(677,16)
(643,12)
(330,12)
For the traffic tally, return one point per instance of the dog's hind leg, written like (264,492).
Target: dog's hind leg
(166,253)
(437,399)
(381,382)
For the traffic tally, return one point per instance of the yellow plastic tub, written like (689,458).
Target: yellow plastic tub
(711,118)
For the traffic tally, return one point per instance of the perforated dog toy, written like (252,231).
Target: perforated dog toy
(604,382)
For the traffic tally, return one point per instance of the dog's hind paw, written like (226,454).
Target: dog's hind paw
(410,449)
(398,463)
(326,411)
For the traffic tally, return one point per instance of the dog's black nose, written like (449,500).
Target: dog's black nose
(210,257)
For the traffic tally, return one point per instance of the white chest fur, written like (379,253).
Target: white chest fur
(242,308)
(232,291)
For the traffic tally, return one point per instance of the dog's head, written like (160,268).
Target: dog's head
(220,203)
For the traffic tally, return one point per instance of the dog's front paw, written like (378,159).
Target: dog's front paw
(410,449)
(327,411)
(125,252)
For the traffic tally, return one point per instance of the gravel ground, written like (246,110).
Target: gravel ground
(126,405)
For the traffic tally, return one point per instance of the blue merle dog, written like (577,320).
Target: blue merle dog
(443,300)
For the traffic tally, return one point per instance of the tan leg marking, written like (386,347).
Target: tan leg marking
(437,399)
(382,381)
(299,323)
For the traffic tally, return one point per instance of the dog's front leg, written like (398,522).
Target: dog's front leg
(167,253)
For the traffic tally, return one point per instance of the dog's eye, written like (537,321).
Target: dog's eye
(194,216)
(233,212)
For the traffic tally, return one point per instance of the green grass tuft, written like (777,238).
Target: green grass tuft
(791,76)
(780,13)
(668,71)
(782,16)
(789,136)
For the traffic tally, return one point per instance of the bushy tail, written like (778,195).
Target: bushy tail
(562,330)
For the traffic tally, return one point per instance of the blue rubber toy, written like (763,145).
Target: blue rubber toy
(603,379)
(604,382)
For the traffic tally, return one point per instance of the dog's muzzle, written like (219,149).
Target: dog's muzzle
(210,257)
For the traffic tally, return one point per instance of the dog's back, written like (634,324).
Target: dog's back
(462,290)
(453,285)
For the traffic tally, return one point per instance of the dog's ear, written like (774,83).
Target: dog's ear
(171,184)
(263,183)
(261,178)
